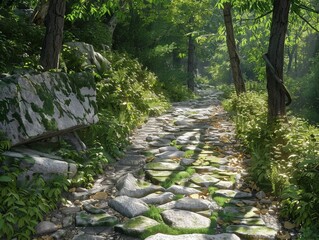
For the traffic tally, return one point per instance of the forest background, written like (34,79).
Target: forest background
(160,51)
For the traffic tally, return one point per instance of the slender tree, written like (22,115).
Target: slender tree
(232,50)
(275,59)
(52,43)
(191,65)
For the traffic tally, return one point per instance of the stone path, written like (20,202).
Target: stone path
(182,165)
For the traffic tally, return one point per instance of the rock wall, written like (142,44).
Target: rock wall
(33,107)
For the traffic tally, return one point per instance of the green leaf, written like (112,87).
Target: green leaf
(5,178)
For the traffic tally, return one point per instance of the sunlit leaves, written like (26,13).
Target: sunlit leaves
(286,155)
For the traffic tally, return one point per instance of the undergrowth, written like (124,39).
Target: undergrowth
(24,203)
(127,94)
(284,157)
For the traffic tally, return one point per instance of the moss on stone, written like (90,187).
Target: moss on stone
(21,127)
(50,124)
(67,102)
(28,117)
(221,201)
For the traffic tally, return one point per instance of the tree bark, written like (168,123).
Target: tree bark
(279,24)
(52,43)
(191,67)
(232,51)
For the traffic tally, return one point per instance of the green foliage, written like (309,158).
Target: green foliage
(93,32)
(306,93)
(250,113)
(309,233)
(221,201)
(176,177)
(20,42)
(72,60)
(126,95)
(155,213)
(22,205)
(285,157)
(173,83)
(90,163)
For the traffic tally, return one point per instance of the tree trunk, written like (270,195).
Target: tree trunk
(276,94)
(232,50)
(52,43)
(291,55)
(191,68)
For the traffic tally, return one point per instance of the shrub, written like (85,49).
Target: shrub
(16,49)
(23,204)
(284,155)
(126,95)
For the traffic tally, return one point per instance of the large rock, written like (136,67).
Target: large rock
(128,185)
(91,57)
(129,207)
(185,219)
(45,105)
(176,189)
(252,232)
(136,226)
(36,162)
(84,219)
(158,198)
(195,205)
(45,227)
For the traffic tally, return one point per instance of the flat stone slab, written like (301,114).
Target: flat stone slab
(195,205)
(187,161)
(83,219)
(159,180)
(225,184)
(45,227)
(168,148)
(136,226)
(170,155)
(133,160)
(185,219)
(159,173)
(167,206)
(92,209)
(171,129)
(233,193)
(160,143)
(165,166)
(129,207)
(84,236)
(249,222)
(204,180)
(252,232)
(205,169)
(224,236)
(157,199)
(242,212)
(213,159)
(128,185)
(192,147)
(176,189)
(185,122)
